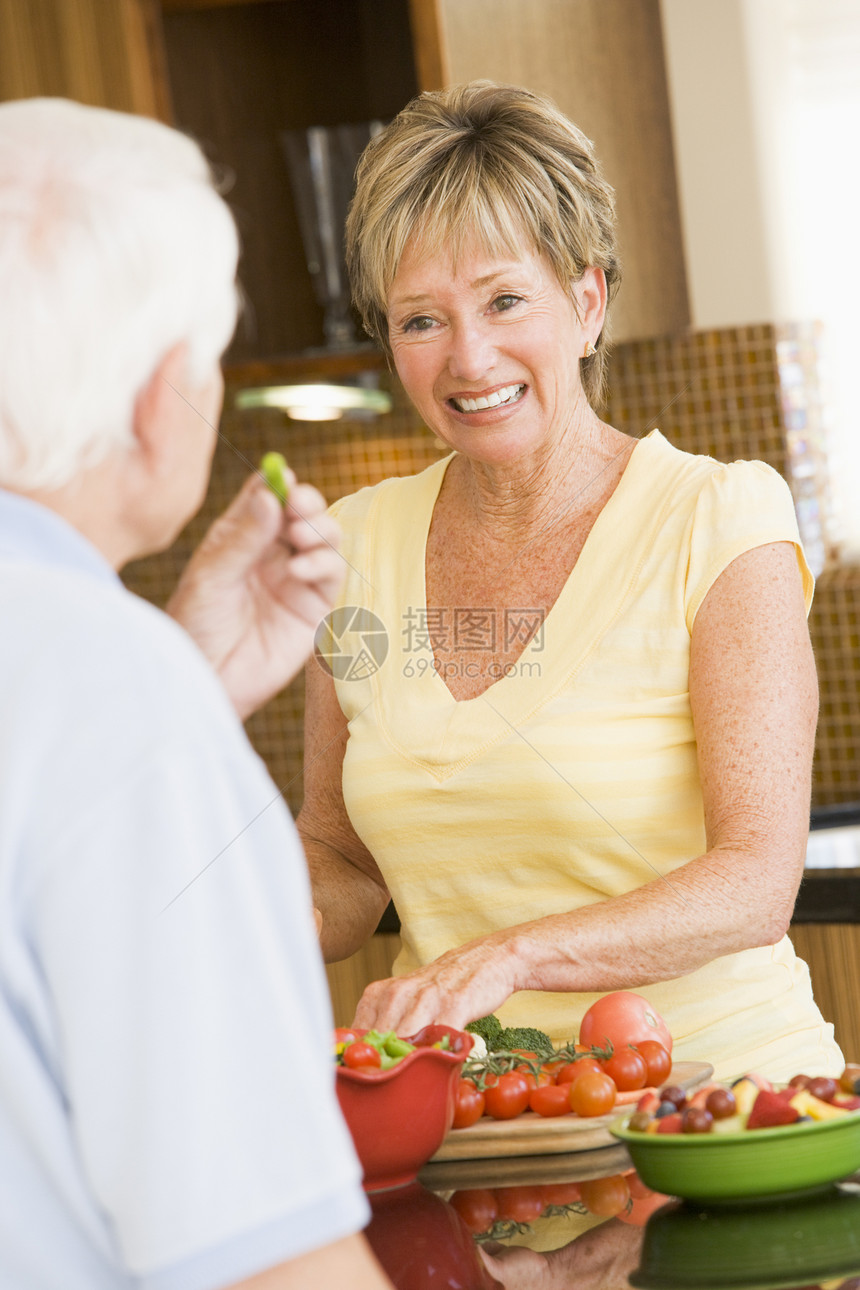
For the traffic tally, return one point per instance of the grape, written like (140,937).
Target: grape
(721,1103)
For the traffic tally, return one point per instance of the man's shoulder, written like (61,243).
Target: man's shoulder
(109,650)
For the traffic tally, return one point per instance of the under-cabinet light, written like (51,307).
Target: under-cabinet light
(319,402)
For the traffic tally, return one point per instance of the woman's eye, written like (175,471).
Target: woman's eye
(419,323)
(502,303)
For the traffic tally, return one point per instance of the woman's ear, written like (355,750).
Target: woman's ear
(590,294)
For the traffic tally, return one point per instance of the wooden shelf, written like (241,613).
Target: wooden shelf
(312,364)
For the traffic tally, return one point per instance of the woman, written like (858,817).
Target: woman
(585,763)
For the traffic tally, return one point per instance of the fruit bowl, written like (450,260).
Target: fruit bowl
(399,1117)
(724,1168)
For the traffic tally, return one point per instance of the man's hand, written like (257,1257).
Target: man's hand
(257,587)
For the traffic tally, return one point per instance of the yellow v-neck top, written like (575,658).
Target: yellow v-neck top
(573,778)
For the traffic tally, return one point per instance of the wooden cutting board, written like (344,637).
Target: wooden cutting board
(535,1135)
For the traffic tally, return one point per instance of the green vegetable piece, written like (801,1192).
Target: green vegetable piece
(274,471)
(397,1047)
(489,1028)
(533,1041)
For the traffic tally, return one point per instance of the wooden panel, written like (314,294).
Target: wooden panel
(348,978)
(103,52)
(602,62)
(243,74)
(832,951)
(432,62)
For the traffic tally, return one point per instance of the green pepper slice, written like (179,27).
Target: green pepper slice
(273,468)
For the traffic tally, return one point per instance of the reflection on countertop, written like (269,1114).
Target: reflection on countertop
(834,838)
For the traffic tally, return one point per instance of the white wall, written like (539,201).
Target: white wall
(765,101)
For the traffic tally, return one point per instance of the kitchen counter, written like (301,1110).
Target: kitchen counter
(422,1233)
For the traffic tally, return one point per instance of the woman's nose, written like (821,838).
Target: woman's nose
(471,354)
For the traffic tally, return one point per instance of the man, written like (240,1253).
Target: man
(167,1111)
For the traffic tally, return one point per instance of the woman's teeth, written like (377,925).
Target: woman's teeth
(509,394)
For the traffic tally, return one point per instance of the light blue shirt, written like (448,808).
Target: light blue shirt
(167,1109)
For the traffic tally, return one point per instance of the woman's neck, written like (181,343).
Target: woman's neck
(516,501)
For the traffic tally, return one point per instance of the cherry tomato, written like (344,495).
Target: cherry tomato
(627,1069)
(535,1081)
(638,1190)
(641,1208)
(520,1204)
(478,1208)
(358,1055)
(344,1035)
(592,1094)
(560,1193)
(468,1104)
(508,1097)
(623,1018)
(657,1060)
(550,1099)
(573,1070)
(605,1196)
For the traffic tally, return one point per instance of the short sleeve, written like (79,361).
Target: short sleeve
(741,506)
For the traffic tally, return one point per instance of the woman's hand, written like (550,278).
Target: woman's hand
(600,1259)
(470,981)
(257,586)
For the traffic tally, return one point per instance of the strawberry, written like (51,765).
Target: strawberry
(769,1110)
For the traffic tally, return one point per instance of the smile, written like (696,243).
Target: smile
(506,395)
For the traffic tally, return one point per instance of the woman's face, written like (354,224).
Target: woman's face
(489,351)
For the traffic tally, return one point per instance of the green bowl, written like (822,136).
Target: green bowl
(789,1243)
(723,1168)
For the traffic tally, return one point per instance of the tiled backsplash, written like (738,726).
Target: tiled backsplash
(738,393)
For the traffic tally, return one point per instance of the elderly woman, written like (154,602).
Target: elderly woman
(584,764)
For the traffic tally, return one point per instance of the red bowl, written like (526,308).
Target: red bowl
(398,1118)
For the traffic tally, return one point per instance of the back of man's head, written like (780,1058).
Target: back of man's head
(114,248)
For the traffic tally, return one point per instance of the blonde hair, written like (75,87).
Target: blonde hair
(492,162)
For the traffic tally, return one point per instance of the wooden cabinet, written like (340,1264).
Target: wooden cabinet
(832,952)
(237,73)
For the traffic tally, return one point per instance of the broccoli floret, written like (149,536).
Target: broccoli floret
(525,1037)
(489,1028)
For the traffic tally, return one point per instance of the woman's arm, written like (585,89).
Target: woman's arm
(754,700)
(349,891)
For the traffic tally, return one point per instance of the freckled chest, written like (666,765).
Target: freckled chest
(486,599)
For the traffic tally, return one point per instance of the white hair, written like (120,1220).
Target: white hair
(114,248)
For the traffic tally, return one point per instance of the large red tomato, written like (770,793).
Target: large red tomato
(623,1018)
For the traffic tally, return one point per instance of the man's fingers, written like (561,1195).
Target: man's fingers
(250,523)
(317,530)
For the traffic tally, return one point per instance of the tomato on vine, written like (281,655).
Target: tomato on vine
(627,1069)
(468,1104)
(657,1060)
(507,1096)
(478,1208)
(520,1204)
(605,1197)
(550,1099)
(593,1093)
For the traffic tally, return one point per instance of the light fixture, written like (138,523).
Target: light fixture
(317,402)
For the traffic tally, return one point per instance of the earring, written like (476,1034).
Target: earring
(589,350)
